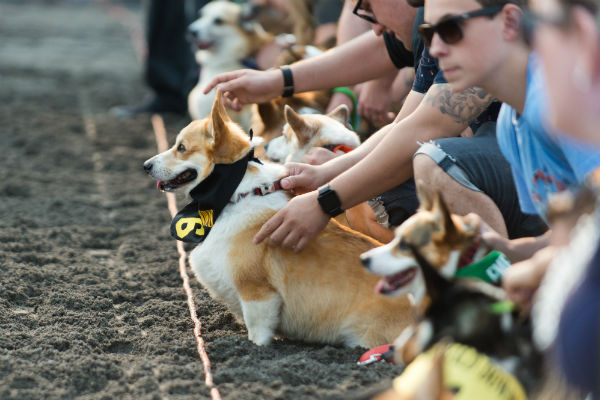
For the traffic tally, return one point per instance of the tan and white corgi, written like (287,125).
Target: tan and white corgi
(447,241)
(303,132)
(223,39)
(322,294)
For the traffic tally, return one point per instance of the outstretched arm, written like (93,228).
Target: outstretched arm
(341,66)
(441,113)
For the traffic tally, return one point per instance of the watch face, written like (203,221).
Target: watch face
(329,201)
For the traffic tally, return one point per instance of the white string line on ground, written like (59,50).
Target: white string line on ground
(131,23)
(162,145)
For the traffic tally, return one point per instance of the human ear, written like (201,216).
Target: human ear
(511,18)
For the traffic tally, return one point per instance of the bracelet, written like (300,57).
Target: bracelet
(354,117)
(288,82)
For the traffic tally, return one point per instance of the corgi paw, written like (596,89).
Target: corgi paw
(260,337)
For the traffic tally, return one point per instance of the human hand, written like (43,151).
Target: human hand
(302,177)
(521,280)
(296,224)
(246,86)
(318,156)
(491,238)
(374,102)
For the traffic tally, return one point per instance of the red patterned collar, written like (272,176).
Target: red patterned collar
(261,190)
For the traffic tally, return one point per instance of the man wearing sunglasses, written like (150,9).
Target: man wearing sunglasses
(385,159)
(482,45)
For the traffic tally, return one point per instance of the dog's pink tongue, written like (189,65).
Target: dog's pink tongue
(158,184)
(381,285)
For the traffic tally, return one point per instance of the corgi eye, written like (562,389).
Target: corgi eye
(218,21)
(403,245)
(181,148)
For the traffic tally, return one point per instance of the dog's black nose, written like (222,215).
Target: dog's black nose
(191,34)
(147,167)
(366,261)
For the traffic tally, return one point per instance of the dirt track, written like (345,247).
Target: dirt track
(91,301)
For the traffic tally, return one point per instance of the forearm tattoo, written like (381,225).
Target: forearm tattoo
(463,106)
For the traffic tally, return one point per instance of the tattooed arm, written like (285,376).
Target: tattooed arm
(438,113)
(381,163)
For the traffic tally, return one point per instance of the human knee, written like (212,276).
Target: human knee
(427,170)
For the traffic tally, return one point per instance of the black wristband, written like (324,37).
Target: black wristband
(288,82)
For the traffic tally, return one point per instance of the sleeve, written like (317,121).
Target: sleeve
(426,73)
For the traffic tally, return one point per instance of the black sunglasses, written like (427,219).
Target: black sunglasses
(367,15)
(531,20)
(450,29)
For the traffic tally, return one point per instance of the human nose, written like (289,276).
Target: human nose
(437,47)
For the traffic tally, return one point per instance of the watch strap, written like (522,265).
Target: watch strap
(288,82)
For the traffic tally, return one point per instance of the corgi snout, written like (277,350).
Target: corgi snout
(148,166)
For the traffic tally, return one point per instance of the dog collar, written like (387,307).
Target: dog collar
(489,269)
(335,147)
(261,190)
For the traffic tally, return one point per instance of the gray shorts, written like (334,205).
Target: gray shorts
(478,164)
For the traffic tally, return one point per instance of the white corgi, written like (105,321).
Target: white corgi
(222,39)
(322,294)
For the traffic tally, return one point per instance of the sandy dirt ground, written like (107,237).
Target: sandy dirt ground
(91,300)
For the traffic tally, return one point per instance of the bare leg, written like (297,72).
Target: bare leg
(459,198)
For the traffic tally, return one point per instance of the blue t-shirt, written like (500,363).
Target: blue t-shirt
(542,162)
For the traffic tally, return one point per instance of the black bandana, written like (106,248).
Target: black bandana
(194,222)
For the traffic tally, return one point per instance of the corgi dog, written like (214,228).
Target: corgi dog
(465,343)
(447,241)
(271,114)
(223,37)
(322,294)
(302,132)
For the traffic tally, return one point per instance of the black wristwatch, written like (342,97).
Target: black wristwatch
(329,201)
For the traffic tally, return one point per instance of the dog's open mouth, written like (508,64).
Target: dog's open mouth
(390,284)
(181,179)
(203,45)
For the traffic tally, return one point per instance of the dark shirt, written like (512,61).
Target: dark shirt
(400,56)
(578,340)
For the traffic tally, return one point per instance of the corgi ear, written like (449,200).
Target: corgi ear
(228,146)
(442,214)
(432,386)
(425,202)
(340,113)
(303,130)
(218,114)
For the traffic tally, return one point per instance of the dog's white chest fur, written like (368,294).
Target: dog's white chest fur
(210,259)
